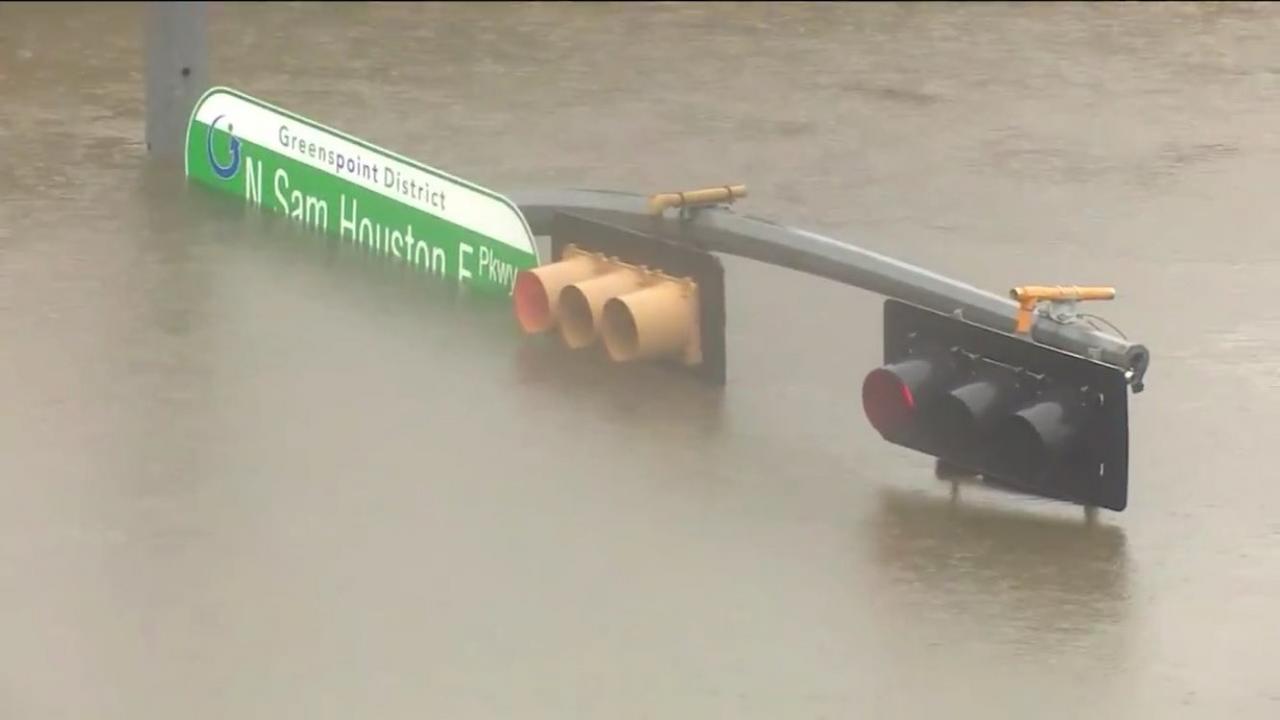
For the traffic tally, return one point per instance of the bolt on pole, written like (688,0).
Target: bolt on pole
(177,72)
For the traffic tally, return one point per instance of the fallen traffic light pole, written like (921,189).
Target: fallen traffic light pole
(717,229)
(1019,389)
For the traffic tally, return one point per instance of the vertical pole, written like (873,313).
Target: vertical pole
(177,72)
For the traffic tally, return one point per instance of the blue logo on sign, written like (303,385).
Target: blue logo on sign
(228,171)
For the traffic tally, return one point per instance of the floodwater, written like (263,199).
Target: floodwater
(244,474)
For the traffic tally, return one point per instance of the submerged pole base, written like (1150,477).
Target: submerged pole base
(177,73)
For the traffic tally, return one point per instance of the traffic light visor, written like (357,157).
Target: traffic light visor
(537,291)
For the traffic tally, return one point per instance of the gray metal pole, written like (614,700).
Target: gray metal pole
(720,230)
(177,72)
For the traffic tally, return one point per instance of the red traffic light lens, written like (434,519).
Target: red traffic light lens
(892,395)
(532,306)
(888,401)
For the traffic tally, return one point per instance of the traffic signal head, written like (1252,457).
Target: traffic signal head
(1022,415)
(636,294)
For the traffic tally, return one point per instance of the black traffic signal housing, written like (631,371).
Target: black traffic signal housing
(1024,416)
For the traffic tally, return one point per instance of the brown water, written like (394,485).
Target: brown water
(242,476)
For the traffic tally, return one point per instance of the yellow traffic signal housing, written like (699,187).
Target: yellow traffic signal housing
(636,294)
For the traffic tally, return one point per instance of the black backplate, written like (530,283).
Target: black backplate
(1098,472)
(635,247)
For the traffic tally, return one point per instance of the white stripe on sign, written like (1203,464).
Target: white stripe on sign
(427,189)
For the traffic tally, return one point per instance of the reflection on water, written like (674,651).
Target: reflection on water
(1006,608)
(659,403)
(1049,573)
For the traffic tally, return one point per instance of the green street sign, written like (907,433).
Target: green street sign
(363,194)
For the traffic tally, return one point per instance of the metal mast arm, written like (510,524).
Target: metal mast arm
(720,230)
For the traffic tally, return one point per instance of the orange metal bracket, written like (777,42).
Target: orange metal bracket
(690,198)
(1029,296)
